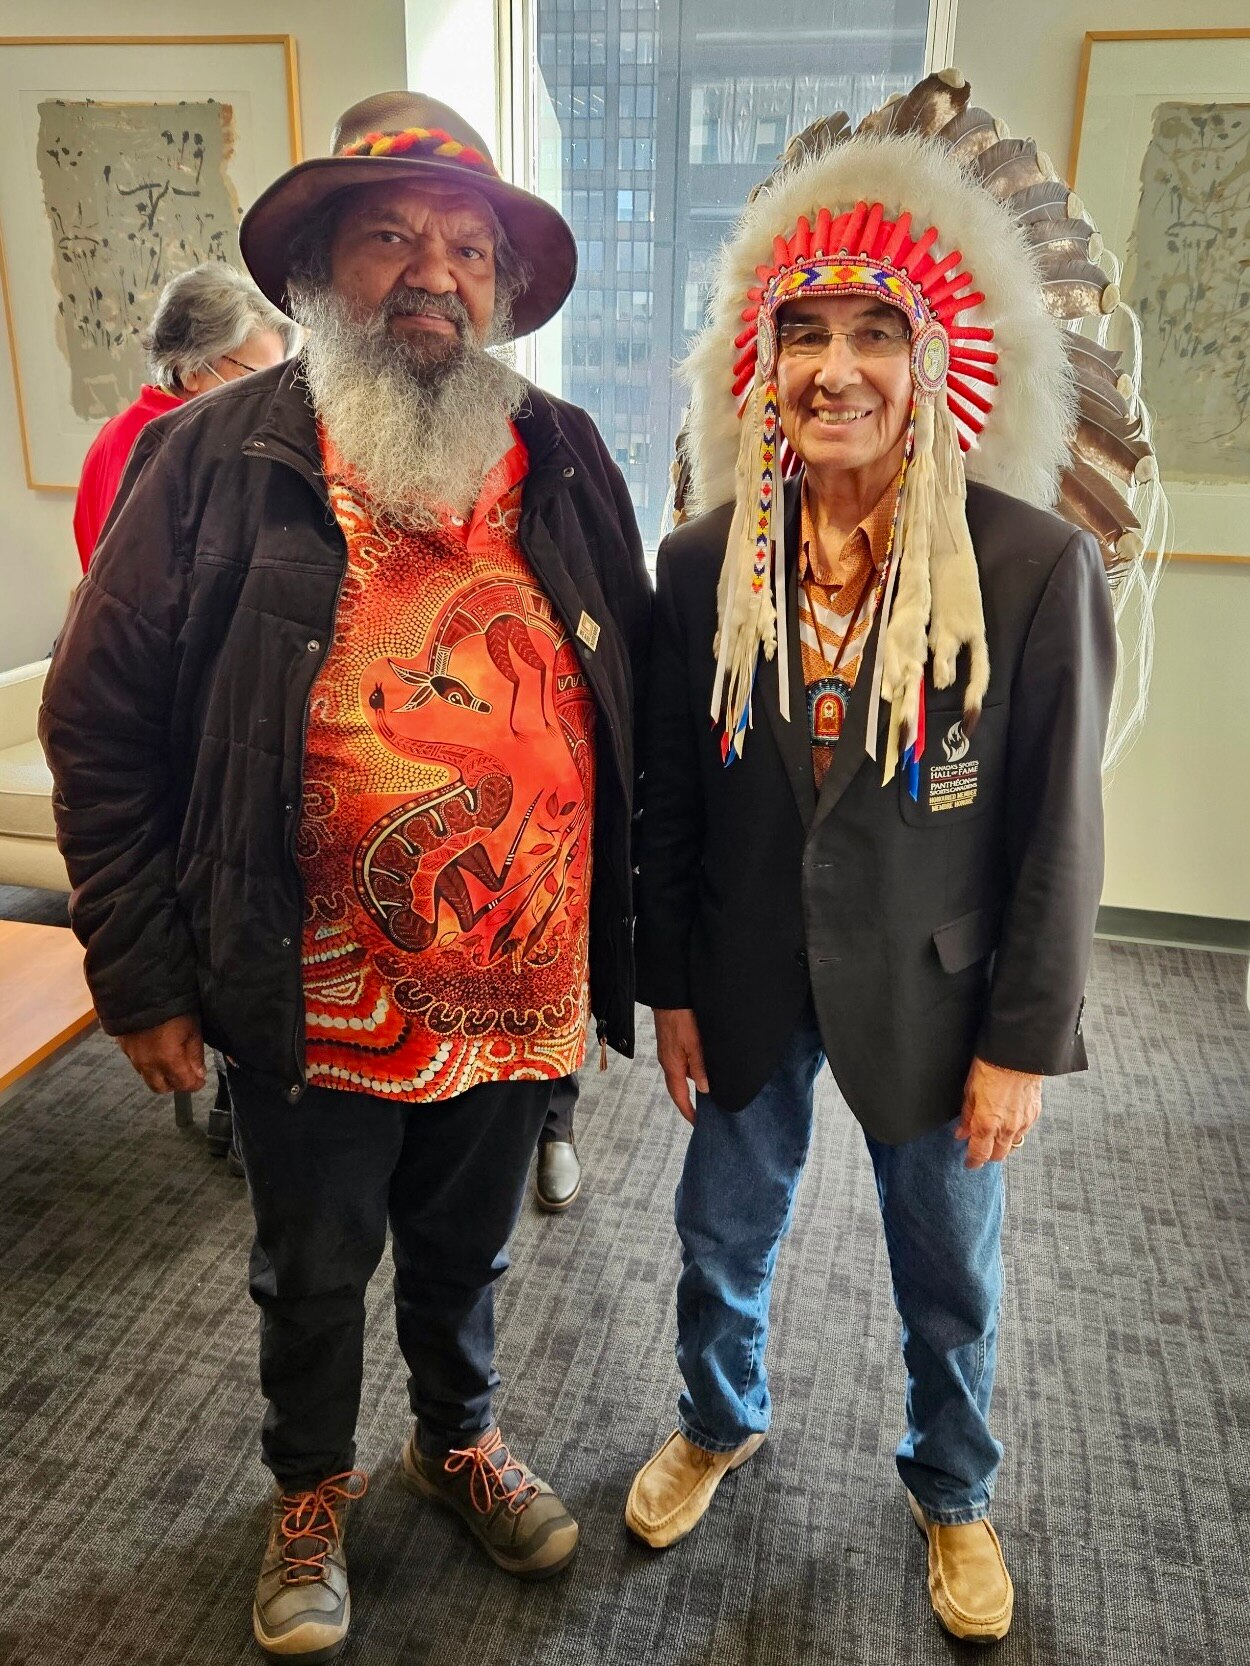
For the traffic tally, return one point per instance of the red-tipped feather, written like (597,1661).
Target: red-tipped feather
(978,401)
(765,273)
(943,291)
(899,237)
(936,274)
(743,336)
(755,294)
(746,361)
(820,236)
(749,314)
(743,381)
(920,251)
(802,244)
(960,303)
(850,238)
(964,415)
(781,252)
(837,231)
(872,228)
(973,355)
(974,372)
(965,444)
(972,332)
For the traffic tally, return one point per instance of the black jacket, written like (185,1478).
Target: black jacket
(175,709)
(925,931)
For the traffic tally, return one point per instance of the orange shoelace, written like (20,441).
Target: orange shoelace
(311,1516)
(489,1481)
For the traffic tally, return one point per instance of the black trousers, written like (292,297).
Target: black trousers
(559,1123)
(326,1177)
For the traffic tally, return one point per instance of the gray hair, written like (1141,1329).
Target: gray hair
(203,315)
(309,264)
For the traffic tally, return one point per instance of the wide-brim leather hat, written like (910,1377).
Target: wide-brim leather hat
(410,138)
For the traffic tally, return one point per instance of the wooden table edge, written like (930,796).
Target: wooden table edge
(75,1027)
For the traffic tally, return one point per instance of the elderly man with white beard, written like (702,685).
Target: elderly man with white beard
(342,731)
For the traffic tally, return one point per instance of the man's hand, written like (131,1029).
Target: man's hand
(1000,1106)
(680,1053)
(170,1056)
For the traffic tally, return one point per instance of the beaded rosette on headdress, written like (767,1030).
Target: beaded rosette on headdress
(862,252)
(1016,382)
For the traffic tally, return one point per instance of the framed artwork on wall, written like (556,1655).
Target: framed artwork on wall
(124,160)
(1161,157)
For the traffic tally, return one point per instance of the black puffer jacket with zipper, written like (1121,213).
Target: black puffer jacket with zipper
(174,713)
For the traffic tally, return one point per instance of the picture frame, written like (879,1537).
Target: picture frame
(124,159)
(1161,127)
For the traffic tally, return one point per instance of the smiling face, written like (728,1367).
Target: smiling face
(399,243)
(840,409)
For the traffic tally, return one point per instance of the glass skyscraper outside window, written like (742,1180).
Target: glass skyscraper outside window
(656,119)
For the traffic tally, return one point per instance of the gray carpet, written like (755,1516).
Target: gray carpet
(128,1405)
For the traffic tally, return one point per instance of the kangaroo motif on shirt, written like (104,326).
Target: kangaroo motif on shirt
(422,854)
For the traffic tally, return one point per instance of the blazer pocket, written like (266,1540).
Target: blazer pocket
(962,942)
(961,776)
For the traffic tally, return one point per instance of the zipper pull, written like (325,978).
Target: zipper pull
(602,1033)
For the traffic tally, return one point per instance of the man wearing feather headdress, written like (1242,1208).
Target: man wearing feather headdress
(886,851)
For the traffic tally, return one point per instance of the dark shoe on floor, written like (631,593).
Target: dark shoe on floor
(512,1513)
(558,1178)
(302,1607)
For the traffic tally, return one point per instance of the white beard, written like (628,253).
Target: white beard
(421,424)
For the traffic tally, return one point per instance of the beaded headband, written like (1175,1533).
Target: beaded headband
(859,252)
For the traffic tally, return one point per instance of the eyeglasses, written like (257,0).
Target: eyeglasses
(868,341)
(247,369)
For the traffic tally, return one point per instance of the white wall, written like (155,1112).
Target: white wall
(344,52)
(1178,810)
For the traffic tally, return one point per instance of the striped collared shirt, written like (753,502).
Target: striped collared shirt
(838,602)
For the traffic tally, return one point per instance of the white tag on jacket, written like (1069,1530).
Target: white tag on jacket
(588,632)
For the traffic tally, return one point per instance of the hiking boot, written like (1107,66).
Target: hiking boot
(302,1607)
(512,1513)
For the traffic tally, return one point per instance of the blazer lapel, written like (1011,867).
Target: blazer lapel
(793,738)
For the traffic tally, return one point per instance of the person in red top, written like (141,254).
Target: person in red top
(211,325)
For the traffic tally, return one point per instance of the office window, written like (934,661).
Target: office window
(677,108)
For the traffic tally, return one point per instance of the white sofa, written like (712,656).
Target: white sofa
(28,853)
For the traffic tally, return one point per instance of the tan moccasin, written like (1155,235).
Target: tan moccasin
(672,1490)
(969,1585)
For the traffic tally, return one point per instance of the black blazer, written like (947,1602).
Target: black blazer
(926,932)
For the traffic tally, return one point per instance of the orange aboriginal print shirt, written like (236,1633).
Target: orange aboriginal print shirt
(445,834)
(838,603)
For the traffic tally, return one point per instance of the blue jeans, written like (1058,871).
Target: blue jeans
(942,1227)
